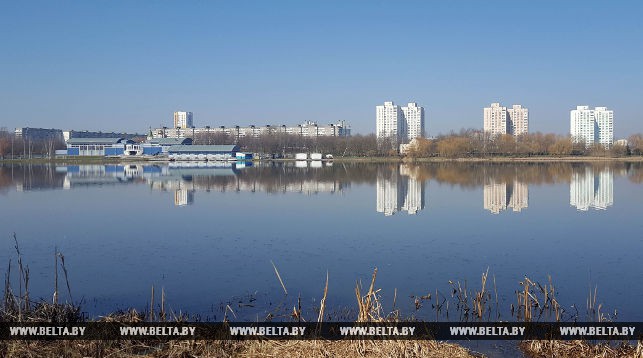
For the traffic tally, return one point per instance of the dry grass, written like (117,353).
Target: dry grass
(574,349)
(367,348)
(534,301)
(223,349)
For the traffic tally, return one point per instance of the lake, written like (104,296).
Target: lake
(209,234)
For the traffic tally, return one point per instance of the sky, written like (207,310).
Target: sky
(128,65)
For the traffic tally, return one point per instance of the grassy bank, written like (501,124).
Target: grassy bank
(394,159)
(65,160)
(225,349)
(541,159)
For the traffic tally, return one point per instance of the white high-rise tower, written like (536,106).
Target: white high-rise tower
(414,116)
(501,120)
(591,126)
(495,119)
(518,120)
(183,120)
(390,122)
(399,123)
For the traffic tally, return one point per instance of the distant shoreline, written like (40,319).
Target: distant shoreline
(538,159)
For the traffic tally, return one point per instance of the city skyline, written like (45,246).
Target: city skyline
(114,67)
(409,120)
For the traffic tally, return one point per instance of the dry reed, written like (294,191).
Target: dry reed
(533,298)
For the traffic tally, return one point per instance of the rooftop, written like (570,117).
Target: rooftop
(170,141)
(96,140)
(202,148)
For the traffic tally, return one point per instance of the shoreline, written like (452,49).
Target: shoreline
(408,160)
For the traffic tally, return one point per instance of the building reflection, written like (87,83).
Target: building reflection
(183,197)
(589,189)
(502,194)
(399,189)
(184,179)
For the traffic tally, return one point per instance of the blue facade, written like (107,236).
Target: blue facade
(152,150)
(97,146)
(114,151)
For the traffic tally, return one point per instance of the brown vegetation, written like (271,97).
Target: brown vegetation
(635,144)
(474,144)
(465,144)
(224,349)
(576,349)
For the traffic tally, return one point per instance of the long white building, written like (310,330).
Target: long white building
(591,126)
(502,120)
(402,124)
(305,129)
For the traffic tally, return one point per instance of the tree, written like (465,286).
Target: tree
(619,150)
(422,148)
(5,143)
(635,143)
(562,146)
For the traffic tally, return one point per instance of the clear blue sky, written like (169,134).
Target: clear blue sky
(128,65)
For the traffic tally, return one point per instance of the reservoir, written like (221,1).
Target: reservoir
(211,235)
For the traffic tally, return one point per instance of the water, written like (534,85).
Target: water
(207,234)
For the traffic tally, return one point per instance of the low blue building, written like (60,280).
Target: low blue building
(156,146)
(97,146)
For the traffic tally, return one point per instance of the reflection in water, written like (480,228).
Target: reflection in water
(399,189)
(500,195)
(90,175)
(309,220)
(590,190)
(185,178)
(183,197)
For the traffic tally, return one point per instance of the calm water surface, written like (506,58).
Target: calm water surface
(207,234)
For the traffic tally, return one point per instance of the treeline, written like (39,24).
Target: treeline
(18,147)
(283,144)
(466,143)
(470,143)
